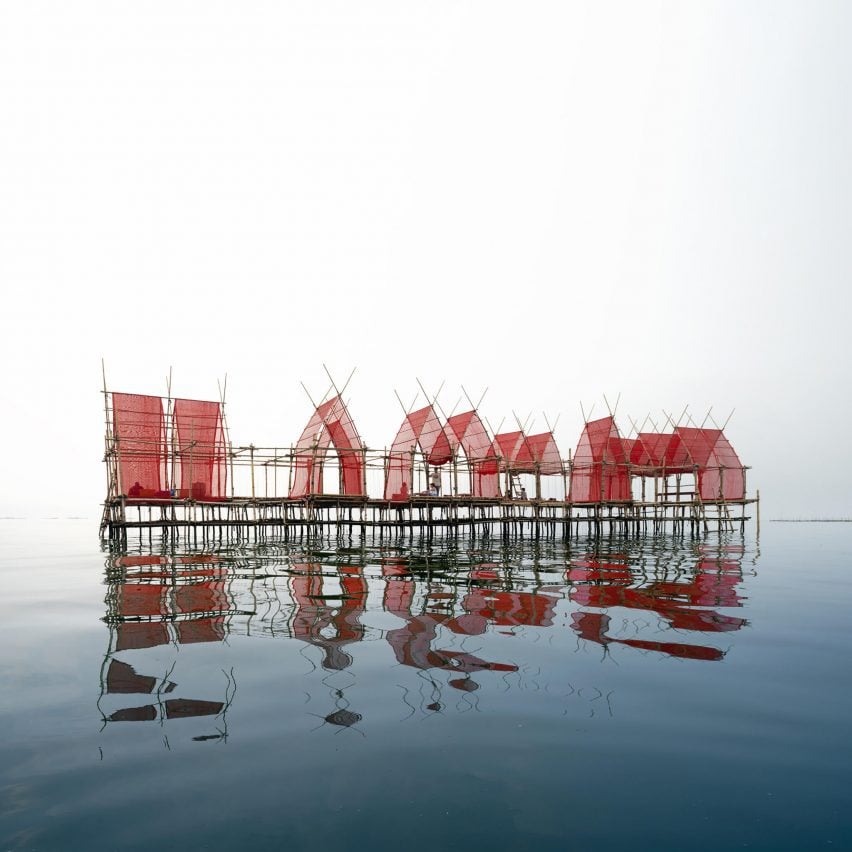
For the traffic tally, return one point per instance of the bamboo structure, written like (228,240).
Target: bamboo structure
(168,461)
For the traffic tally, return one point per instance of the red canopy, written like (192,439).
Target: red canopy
(466,430)
(330,424)
(600,471)
(419,429)
(200,456)
(139,429)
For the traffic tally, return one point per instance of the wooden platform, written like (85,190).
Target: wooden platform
(241,518)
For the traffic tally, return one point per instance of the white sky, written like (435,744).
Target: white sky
(554,201)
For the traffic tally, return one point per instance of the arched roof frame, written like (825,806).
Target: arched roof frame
(331,424)
(420,429)
(467,431)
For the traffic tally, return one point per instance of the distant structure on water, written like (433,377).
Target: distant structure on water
(172,466)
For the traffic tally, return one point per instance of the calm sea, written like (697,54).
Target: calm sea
(668,693)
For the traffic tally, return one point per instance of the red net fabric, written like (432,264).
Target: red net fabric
(698,444)
(331,423)
(310,451)
(199,451)
(542,454)
(719,470)
(648,452)
(466,430)
(600,471)
(420,428)
(678,458)
(506,447)
(629,445)
(139,429)
(731,484)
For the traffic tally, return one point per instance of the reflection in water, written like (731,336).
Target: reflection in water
(446,613)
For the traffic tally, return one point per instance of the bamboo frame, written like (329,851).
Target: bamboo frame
(242,462)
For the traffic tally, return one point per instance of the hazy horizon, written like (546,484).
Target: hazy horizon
(553,202)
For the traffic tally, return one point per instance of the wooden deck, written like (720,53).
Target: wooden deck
(258,518)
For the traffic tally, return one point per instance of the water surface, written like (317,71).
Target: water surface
(668,693)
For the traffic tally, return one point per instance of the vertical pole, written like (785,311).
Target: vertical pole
(109,454)
(173,451)
(251,461)
(191,455)
(757,512)
(455,472)
(364,471)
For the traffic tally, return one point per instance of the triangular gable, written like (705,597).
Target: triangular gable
(698,443)
(720,472)
(506,446)
(467,431)
(544,452)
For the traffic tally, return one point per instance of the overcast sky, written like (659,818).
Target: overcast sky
(553,201)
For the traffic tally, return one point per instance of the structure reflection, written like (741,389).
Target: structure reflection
(642,598)
(158,600)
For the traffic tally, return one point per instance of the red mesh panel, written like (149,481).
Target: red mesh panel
(698,443)
(330,424)
(600,471)
(677,458)
(731,477)
(310,453)
(650,450)
(507,446)
(466,430)
(544,453)
(720,472)
(200,458)
(140,432)
(420,428)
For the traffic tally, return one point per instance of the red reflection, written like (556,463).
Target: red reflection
(314,619)
(604,585)
(592,626)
